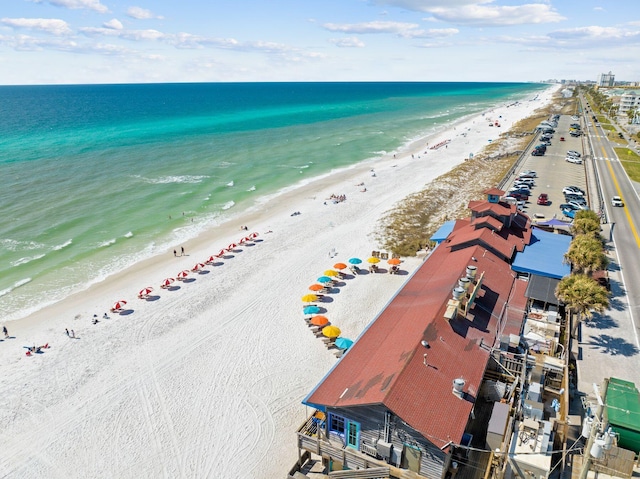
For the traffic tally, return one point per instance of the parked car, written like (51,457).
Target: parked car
(528,181)
(575,198)
(573,190)
(562,138)
(537,152)
(518,196)
(617,201)
(575,117)
(543,199)
(578,206)
(569,206)
(573,153)
(530,173)
(575,134)
(573,159)
(569,213)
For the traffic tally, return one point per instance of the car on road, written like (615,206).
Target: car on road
(543,199)
(573,153)
(530,173)
(574,160)
(617,201)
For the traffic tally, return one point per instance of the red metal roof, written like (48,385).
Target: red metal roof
(482,236)
(494,191)
(498,209)
(480,221)
(387,365)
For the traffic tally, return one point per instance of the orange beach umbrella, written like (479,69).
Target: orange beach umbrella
(319,320)
(339,266)
(316,287)
(394,261)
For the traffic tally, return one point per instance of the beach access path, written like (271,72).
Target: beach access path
(207,380)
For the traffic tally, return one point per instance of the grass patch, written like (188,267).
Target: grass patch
(630,162)
(407,227)
(608,126)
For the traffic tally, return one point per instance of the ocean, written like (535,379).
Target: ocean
(97,177)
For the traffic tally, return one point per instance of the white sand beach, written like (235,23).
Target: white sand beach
(207,380)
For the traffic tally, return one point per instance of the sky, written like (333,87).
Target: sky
(144,41)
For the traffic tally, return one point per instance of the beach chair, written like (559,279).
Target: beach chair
(375,254)
(394,255)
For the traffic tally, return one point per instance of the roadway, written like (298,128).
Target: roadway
(609,345)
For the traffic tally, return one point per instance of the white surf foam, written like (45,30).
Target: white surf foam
(228,204)
(26,259)
(107,243)
(63,245)
(17,284)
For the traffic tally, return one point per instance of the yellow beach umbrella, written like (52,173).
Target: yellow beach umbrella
(373,260)
(330,272)
(331,331)
(309,298)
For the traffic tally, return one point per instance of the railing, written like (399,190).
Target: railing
(371,473)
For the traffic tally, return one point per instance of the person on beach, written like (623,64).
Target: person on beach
(67,332)
(181,250)
(5,331)
(105,316)
(175,253)
(73,334)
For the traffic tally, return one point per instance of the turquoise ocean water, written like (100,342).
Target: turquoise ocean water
(91,173)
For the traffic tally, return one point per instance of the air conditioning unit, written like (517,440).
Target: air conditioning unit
(384,449)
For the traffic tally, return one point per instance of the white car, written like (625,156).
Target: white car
(573,190)
(573,153)
(617,201)
(573,159)
(531,173)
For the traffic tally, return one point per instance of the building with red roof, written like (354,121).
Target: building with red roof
(405,391)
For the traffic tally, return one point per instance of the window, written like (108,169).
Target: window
(337,424)
(349,430)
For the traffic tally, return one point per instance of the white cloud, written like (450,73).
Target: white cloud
(480,12)
(370,27)
(114,23)
(133,35)
(431,33)
(49,25)
(142,13)
(94,5)
(349,42)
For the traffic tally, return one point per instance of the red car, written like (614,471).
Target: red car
(543,199)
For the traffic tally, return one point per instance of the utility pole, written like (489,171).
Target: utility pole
(597,421)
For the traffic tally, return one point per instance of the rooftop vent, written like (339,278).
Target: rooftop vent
(464,283)
(458,385)
(471,272)
(458,293)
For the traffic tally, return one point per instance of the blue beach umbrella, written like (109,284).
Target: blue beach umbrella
(311,310)
(324,279)
(355,261)
(343,343)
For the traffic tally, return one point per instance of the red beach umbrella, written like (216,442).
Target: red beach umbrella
(211,259)
(254,235)
(119,304)
(220,254)
(248,238)
(231,246)
(145,292)
(198,267)
(167,282)
(183,274)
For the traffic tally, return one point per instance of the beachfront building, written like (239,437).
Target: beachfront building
(420,384)
(629,101)
(606,79)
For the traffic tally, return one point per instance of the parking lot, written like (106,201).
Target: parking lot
(553,172)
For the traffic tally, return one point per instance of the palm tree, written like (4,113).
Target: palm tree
(586,254)
(583,295)
(585,226)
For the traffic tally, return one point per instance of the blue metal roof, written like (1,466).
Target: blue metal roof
(544,255)
(442,233)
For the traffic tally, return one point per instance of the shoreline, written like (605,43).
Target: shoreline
(228,350)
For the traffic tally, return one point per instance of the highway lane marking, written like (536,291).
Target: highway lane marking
(626,210)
